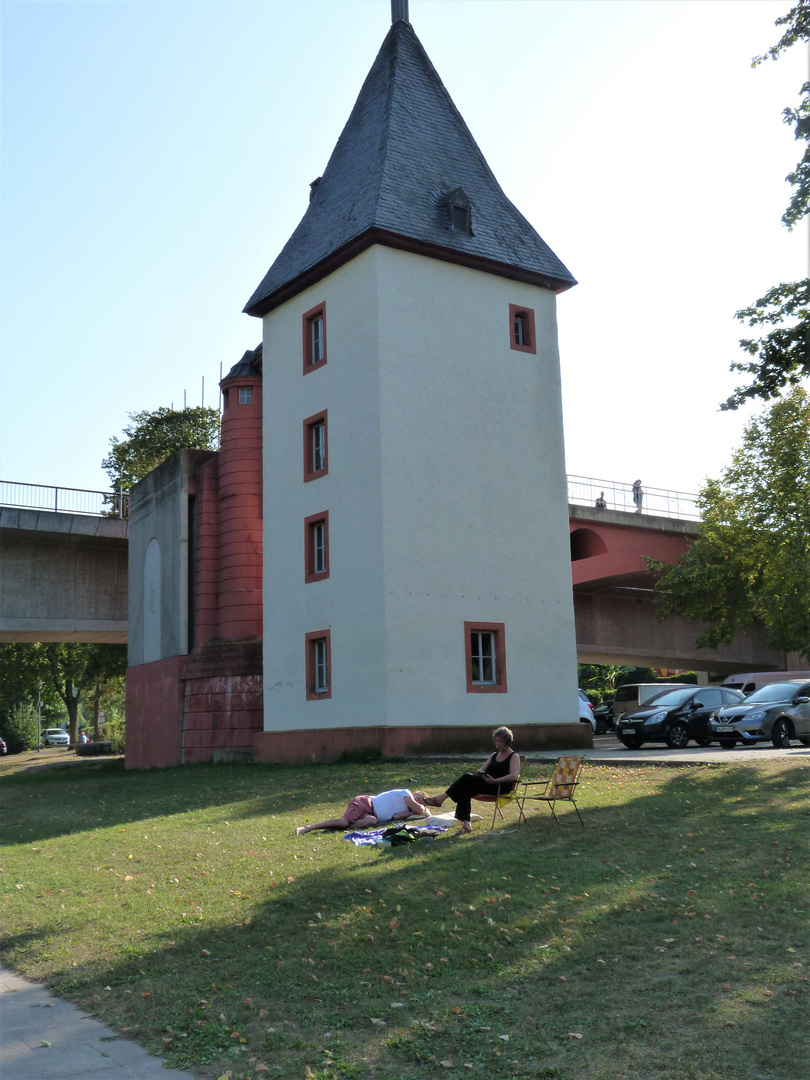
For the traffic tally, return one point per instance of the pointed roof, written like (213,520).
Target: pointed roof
(250,364)
(404,161)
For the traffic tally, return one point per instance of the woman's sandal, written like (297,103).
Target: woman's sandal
(431,800)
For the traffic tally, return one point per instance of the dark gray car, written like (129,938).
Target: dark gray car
(776,713)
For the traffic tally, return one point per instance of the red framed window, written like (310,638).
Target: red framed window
(314,333)
(316,547)
(319,665)
(521,329)
(485,657)
(316,446)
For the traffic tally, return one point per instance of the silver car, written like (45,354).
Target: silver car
(776,713)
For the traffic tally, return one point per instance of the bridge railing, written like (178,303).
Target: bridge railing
(582,491)
(587,491)
(64,500)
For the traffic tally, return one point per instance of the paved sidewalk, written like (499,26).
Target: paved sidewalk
(43,1038)
(608,750)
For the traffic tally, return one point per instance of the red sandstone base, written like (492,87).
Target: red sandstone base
(154,713)
(298,747)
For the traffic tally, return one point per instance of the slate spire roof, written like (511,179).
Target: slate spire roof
(406,172)
(250,364)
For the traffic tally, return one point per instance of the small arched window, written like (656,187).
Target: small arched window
(521,329)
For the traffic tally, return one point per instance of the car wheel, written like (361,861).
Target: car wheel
(804,740)
(728,744)
(703,741)
(781,734)
(632,744)
(678,737)
(601,727)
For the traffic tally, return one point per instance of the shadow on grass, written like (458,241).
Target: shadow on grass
(668,933)
(122,797)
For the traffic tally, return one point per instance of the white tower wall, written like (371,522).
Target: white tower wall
(446,497)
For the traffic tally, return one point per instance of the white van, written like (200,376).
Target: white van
(749,681)
(633,695)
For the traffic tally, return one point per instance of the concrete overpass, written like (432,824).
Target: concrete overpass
(613,598)
(63,577)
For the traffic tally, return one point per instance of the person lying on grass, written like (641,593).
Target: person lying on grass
(365,810)
(498,774)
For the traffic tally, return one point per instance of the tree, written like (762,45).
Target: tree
(751,562)
(781,357)
(65,669)
(600,680)
(154,436)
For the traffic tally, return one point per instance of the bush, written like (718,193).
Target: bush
(19,727)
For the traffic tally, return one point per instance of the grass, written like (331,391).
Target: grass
(666,939)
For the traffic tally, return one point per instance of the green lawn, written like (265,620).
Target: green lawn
(666,939)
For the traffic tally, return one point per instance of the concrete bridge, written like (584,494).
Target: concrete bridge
(63,577)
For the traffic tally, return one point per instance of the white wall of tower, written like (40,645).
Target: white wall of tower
(446,496)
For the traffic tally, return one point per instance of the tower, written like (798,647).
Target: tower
(417,583)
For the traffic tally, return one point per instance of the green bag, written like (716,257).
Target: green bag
(400,834)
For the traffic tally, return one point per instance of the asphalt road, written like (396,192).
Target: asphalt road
(608,748)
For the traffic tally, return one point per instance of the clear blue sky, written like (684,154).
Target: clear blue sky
(156,156)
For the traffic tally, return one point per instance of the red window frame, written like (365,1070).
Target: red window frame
(530,341)
(311,422)
(311,643)
(307,319)
(310,525)
(498,630)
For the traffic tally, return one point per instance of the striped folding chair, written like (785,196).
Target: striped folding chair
(561,788)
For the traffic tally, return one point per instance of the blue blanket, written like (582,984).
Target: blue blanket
(374,836)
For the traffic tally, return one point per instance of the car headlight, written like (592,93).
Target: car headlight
(757,714)
(656,717)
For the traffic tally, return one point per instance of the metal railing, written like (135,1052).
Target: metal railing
(582,491)
(64,500)
(586,491)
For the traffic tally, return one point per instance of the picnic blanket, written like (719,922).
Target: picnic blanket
(426,826)
(370,837)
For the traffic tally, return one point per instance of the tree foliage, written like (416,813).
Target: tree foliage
(781,357)
(751,562)
(67,670)
(154,436)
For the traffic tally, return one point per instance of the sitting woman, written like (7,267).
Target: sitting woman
(365,810)
(501,768)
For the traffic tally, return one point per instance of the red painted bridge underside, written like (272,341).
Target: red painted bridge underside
(608,547)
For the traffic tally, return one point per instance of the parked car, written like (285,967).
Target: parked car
(749,681)
(3,747)
(586,710)
(55,736)
(633,695)
(775,713)
(605,720)
(675,716)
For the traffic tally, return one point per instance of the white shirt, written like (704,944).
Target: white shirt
(389,803)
